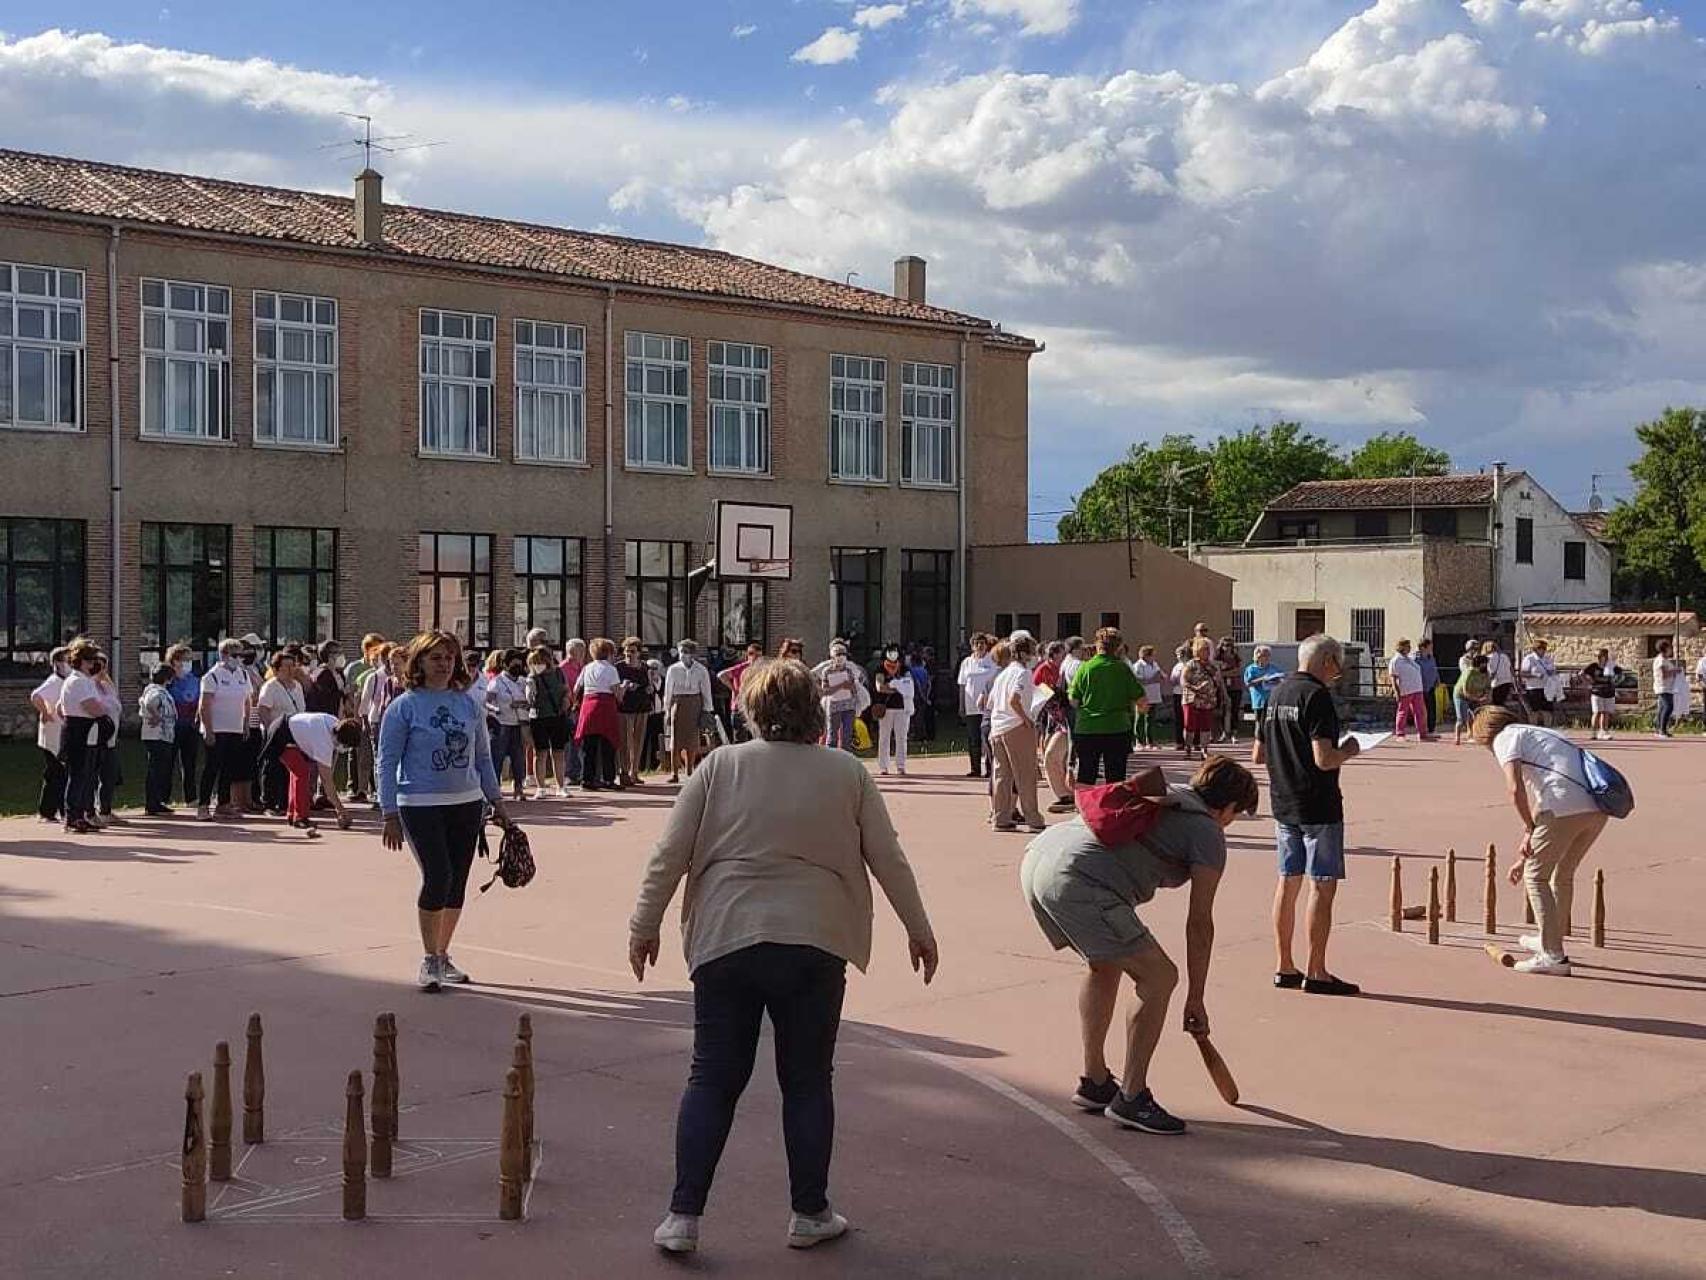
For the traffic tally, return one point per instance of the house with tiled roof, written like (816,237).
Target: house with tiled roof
(1403,557)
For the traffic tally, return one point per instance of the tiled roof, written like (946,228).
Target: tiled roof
(63,185)
(1461,490)
(1593,523)
(1634,621)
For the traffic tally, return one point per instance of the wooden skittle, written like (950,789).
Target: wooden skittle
(1218,1071)
(1501,955)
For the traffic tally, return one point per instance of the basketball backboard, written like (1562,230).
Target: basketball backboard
(754,540)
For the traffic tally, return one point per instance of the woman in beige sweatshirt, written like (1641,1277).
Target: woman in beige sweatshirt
(778,839)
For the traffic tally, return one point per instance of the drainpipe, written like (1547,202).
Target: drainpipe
(960,494)
(115,472)
(1497,524)
(609,467)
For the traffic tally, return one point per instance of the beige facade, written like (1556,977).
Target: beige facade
(379,491)
(1056,589)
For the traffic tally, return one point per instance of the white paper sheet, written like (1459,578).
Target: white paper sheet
(1369,741)
(1040,699)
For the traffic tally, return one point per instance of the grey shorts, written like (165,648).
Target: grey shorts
(1074,912)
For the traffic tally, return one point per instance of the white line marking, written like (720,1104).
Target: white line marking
(1198,1260)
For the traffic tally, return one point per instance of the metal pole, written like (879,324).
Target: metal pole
(115,534)
(1130,564)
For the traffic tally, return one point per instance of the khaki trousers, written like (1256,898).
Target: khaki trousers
(1015,755)
(1055,752)
(1549,874)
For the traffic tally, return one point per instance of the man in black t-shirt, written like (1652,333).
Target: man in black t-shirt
(1602,674)
(1300,744)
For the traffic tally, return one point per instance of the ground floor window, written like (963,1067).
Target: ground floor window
(186,586)
(1368,628)
(927,600)
(741,615)
(41,589)
(656,577)
(455,580)
(1243,626)
(296,584)
(1067,625)
(856,598)
(548,587)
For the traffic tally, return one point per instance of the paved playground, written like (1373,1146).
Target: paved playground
(1459,1119)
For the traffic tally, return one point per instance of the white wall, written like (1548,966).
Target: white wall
(1543,581)
(1275,582)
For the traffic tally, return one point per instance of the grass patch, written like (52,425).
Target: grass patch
(20,775)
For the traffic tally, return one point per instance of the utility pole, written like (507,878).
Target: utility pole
(1130,562)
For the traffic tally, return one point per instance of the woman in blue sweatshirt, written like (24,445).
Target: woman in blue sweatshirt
(435,779)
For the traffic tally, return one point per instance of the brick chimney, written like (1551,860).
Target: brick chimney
(369,208)
(909,279)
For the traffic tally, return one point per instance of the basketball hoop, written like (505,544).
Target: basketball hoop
(768,568)
(754,541)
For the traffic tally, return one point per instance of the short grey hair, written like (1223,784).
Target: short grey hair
(687,646)
(1017,636)
(1261,649)
(231,645)
(537,637)
(1318,648)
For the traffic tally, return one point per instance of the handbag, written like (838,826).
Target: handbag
(515,865)
(1610,790)
(1120,812)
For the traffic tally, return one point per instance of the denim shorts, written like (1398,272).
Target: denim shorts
(1314,851)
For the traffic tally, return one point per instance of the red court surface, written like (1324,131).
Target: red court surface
(1458,1120)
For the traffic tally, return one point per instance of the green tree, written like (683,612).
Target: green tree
(1131,497)
(1249,469)
(1660,533)
(1395,453)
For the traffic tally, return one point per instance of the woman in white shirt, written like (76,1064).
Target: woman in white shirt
(892,689)
(599,726)
(104,738)
(1176,693)
(1499,672)
(1548,788)
(45,699)
(281,697)
(686,696)
(977,673)
(1151,677)
(1665,668)
(312,739)
(1540,682)
(506,702)
(1013,736)
(80,707)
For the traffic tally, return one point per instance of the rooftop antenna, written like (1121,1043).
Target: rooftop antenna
(1595,502)
(849,277)
(383,143)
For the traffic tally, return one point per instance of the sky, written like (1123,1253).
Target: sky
(1480,222)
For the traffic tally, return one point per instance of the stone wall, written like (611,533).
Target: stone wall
(1575,641)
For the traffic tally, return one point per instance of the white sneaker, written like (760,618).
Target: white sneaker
(677,1233)
(1554,966)
(804,1231)
(428,979)
(448,972)
(1531,942)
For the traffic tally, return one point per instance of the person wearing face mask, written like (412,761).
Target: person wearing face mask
(506,703)
(1013,735)
(103,740)
(80,708)
(223,714)
(281,697)
(634,702)
(328,695)
(548,701)
(838,683)
(45,699)
(893,690)
(243,793)
(977,673)
(186,694)
(159,725)
(599,724)
(687,696)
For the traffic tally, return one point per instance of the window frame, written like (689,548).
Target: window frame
(214,363)
(525,578)
(278,364)
(437,380)
(1310,527)
(55,349)
(861,648)
(912,393)
(754,593)
(678,361)
(1003,625)
(678,618)
(525,346)
(1580,550)
(204,575)
(871,421)
(1523,534)
(1368,628)
(67,618)
(718,369)
(1243,626)
(927,588)
(267,620)
(474,575)
(1062,631)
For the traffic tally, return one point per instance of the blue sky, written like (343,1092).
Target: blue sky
(1477,221)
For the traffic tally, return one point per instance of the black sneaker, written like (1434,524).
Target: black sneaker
(1143,1112)
(1288,981)
(1330,986)
(1064,804)
(1096,1097)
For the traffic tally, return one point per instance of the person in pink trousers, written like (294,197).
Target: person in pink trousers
(1408,687)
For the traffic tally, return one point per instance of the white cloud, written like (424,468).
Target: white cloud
(837,44)
(744,29)
(1037,17)
(873,16)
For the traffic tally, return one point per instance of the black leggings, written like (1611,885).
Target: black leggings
(53,774)
(1107,753)
(442,838)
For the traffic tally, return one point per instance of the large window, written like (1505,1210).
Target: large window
(1067,625)
(548,587)
(1575,561)
(186,585)
(1368,628)
(456,383)
(550,392)
(1438,522)
(41,347)
(858,397)
(741,617)
(656,574)
(740,407)
(1372,524)
(927,600)
(41,589)
(456,586)
(186,360)
(296,584)
(856,597)
(1299,529)
(1524,540)
(1243,626)
(927,424)
(657,401)
(296,369)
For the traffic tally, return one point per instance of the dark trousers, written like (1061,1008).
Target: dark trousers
(801,989)
(1431,699)
(157,782)
(1107,752)
(187,739)
(52,802)
(221,767)
(1178,702)
(442,838)
(974,742)
(1666,712)
(598,761)
(510,743)
(107,776)
(81,761)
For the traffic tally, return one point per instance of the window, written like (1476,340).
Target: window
(741,618)
(1067,625)
(456,383)
(740,407)
(1308,622)
(1003,625)
(548,587)
(1372,524)
(1575,561)
(1438,523)
(657,402)
(1243,626)
(186,585)
(1524,540)
(41,589)
(856,598)
(41,347)
(456,586)
(1110,619)
(296,369)
(657,591)
(927,424)
(857,401)
(186,360)
(550,392)
(1368,628)
(296,584)
(927,599)
(1032,622)
(1299,529)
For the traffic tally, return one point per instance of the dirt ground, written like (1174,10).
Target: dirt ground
(1458,1119)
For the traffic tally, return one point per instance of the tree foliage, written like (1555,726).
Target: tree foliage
(1660,533)
(1395,453)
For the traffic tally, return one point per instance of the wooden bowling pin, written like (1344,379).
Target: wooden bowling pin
(219,1152)
(383,1101)
(254,1085)
(1395,904)
(1433,905)
(355,1151)
(1451,886)
(1599,907)
(522,1061)
(511,1158)
(393,1125)
(1490,895)
(194,1153)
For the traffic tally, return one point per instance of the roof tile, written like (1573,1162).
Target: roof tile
(1654,620)
(1457,490)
